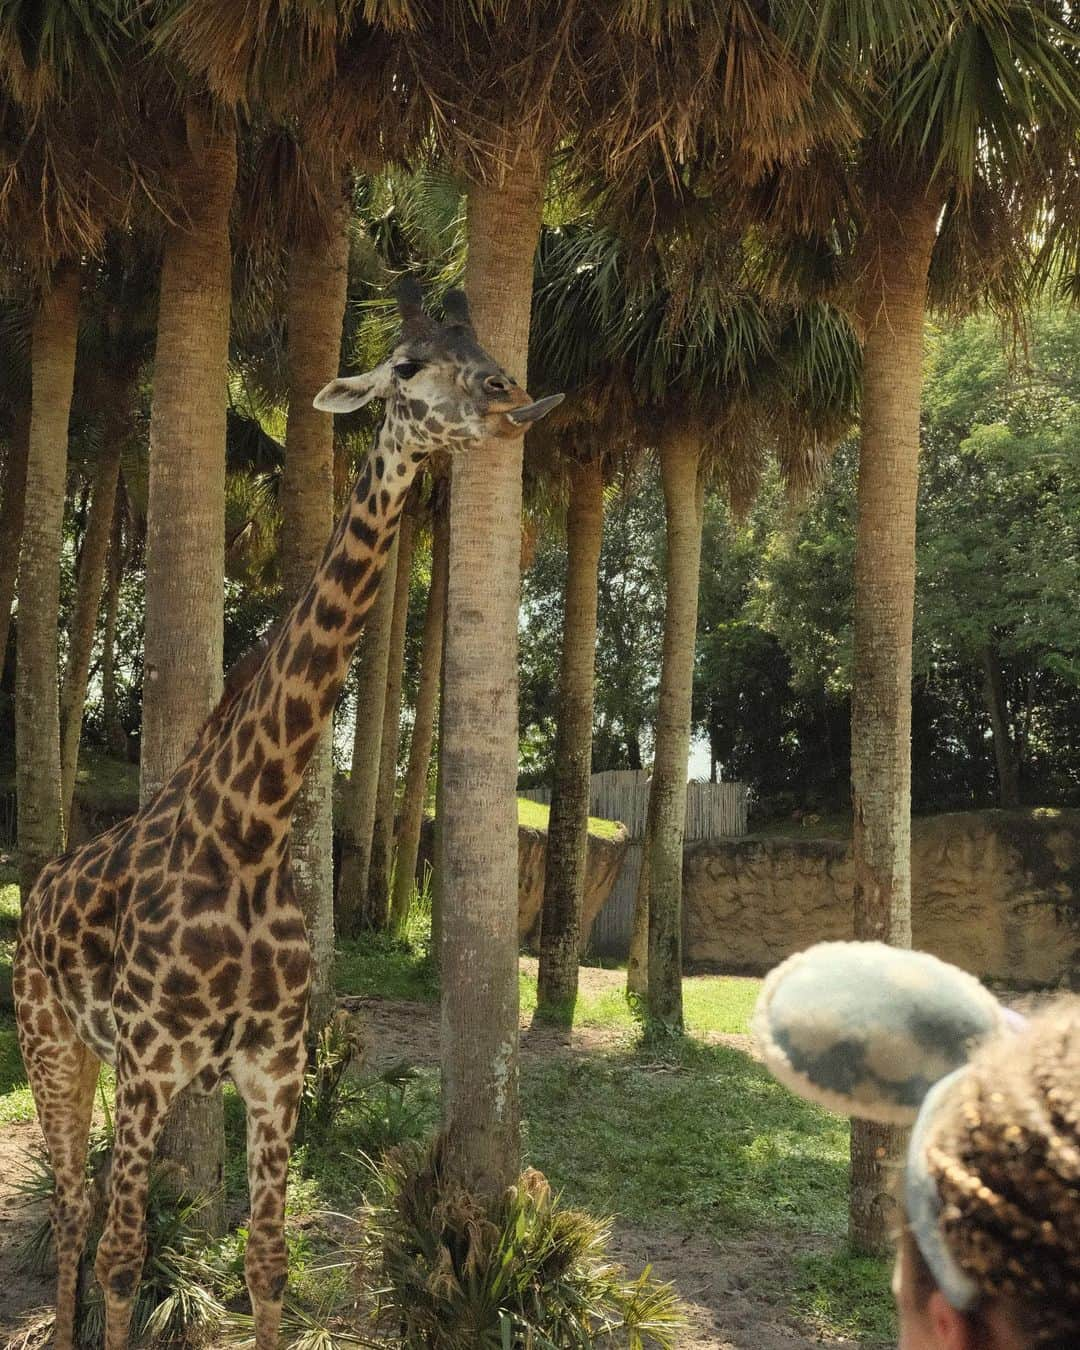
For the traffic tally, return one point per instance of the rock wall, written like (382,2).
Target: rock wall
(996,892)
(602,864)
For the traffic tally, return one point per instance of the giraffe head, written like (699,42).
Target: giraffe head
(442,390)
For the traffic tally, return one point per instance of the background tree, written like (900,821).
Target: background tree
(580,448)
(185,538)
(962,148)
(414,791)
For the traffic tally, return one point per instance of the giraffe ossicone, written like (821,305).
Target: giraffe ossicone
(173,947)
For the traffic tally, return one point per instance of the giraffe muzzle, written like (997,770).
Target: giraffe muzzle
(532,412)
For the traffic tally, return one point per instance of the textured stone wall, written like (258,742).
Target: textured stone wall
(602,864)
(996,892)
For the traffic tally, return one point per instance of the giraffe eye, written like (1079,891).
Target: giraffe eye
(405,370)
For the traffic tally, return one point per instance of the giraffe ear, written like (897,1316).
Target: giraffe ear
(353,391)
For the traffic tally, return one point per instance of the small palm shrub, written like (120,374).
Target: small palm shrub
(526,1273)
(339,1046)
(180,1296)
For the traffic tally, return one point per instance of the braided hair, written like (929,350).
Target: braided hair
(1005,1156)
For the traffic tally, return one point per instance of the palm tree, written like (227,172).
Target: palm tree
(382,834)
(37,709)
(61,189)
(495,90)
(295,229)
(961,173)
(317,284)
(731,377)
(118,336)
(414,791)
(185,531)
(17,416)
(353,906)
(590,435)
(897,146)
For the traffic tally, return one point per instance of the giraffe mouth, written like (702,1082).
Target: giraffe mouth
(532,412)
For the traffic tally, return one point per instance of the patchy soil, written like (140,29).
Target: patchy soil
(730,1293)
(398,1030)
(23,1297)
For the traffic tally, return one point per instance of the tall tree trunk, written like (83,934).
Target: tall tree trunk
(353,908)
(37,703)
(684,498)
(1008,770)
(185,541)
(892,313)
(318,280)
(440,781)
(95,550)
(115,737)
(416,772)
(11,518)
(568,823)
(637,964)
(481,1112)
(382,834)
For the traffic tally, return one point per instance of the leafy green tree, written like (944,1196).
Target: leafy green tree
(999,553)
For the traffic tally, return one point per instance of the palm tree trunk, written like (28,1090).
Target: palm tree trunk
(479,861)
(318,280)
(37,706)
(92,560)
(684,499)
(382,835)
(637,964)
(893,313)
(353,909)
(568,823)
(440,779)
(11,518)
(1008,770)
(185,541)
(416,772)
(110,715)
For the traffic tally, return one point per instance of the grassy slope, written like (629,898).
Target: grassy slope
(535,816)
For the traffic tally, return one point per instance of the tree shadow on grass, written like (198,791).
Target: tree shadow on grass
(702,1136)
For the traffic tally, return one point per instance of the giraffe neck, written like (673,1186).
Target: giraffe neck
(259,753)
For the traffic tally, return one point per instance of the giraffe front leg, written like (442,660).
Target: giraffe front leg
(141,1106)
(272,1101)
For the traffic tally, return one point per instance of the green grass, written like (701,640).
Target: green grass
(841,1294)
(707,1138)
(534,816)
(380,967)
(828,825)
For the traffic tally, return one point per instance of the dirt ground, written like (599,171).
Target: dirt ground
(729,1291)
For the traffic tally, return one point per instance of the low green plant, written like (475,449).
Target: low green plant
(525,1273)
(337,1047)
(398,1107)
(180,1295)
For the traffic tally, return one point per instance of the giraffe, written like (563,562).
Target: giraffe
(173,947)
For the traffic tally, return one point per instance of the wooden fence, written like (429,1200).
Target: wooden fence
(713,811)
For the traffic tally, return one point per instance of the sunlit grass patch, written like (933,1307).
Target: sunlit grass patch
(534,816)
(847,1295)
